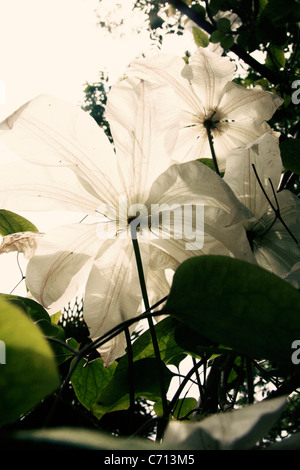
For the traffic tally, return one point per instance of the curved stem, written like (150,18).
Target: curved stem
(273,77)
(150,321)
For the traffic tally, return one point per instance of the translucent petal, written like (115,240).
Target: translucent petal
(113,292)
(238,101)
(142,129)
(48,131)
(25,186)
(61,264)
(264,154)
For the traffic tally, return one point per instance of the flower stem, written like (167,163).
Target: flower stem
(130,369)
(150,320)
(211,145)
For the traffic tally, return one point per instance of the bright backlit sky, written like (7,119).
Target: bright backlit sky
(56,46)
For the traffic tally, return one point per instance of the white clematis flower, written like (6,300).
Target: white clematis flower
(70,164)
(273,226)
(210,99)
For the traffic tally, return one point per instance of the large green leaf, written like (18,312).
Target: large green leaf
(42,319)
(115,395)
(29,373)
(238,305)
(13,223)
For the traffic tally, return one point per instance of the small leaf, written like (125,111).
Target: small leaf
(200,37)
(275,58)
(238,305)
(13,223)
(30,373)
(223,25)
(216,36)
(290,154)
(227,41)
(89,379)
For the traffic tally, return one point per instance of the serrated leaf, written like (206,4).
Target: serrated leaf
(238,305)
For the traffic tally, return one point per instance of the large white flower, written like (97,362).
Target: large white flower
(69,163)
(210,100)
(273,226)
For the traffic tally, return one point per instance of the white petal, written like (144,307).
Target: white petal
(29,187)
(61,264)
(277,251)
(264,154)
(238,101)
(142,130)
(194,184)
(210,73)
(48,131)
(113,292)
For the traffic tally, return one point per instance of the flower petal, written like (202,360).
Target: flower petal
(238,101)
(113,292)
(61,264)
(142,130)
(48,131)
(264,154)
(208,73)
(191,185)
(278,250)
(29,187)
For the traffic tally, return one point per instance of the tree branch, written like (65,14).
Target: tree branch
(273,77)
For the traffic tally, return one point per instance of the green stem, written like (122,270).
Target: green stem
(150,321)
(130,369)
(211,145)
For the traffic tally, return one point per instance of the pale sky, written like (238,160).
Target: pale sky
(56,46)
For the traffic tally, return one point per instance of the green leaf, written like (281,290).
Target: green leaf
(41,318)
(170,351)
(200,37)
(223,25)
(115,395)
(235,430)
(13,223)
(30,373)
(275,58)
(238,305)
(89,379)
(290,154)
(216,36)
(227,41)
(183,408)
